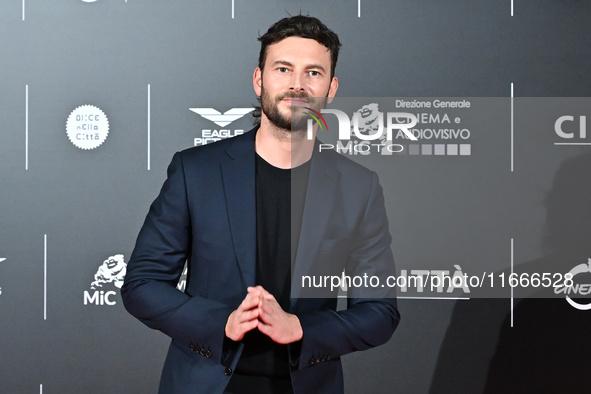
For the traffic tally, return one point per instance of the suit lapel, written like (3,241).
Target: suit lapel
(239,186)
(322,184)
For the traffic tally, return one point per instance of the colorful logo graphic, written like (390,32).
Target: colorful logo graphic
(317,116)
(347,129)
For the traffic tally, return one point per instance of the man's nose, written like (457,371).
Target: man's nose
(296,83)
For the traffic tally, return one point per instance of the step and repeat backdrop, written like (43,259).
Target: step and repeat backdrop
(489,206)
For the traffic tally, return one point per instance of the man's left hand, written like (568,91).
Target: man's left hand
(274,322)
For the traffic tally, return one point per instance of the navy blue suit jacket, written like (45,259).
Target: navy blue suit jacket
(205,215)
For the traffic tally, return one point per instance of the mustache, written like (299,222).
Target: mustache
(291,94)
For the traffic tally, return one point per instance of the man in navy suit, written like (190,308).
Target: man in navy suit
(252,215)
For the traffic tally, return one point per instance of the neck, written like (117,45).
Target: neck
(282,148)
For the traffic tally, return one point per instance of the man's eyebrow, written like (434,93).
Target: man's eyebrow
(315,67)
(282,63)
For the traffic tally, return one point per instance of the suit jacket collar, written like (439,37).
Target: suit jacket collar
(322,183)
(239,181)
(320,197)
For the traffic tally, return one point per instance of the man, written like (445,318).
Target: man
(231,211)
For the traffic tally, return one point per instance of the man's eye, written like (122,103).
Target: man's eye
(282,69)
(314,73)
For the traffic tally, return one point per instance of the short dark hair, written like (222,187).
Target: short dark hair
(305,27)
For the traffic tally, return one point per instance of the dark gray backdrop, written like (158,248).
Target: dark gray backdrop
(65,210)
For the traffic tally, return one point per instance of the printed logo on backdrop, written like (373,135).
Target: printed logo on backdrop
(222,120)
(1,260)
(428,132)
(87,127)
(580,286)
(571,130)
(183,280)
(107,280)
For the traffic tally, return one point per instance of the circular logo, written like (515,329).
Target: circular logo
(580,269)
(87,127)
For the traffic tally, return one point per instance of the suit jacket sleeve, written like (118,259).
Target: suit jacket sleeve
(162,248)
(370,319)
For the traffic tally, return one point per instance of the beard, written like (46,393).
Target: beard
(296,120)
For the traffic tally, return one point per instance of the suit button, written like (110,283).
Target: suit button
(228,371)
(208,354)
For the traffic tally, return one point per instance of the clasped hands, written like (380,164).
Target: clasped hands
(260,310)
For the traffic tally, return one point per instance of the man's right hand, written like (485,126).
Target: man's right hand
(246,317)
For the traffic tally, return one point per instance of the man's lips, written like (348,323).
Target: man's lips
(295,100)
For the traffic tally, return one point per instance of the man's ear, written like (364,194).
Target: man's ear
(332,90)
(257,81)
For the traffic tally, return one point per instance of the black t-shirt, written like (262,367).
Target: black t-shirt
(263,367)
